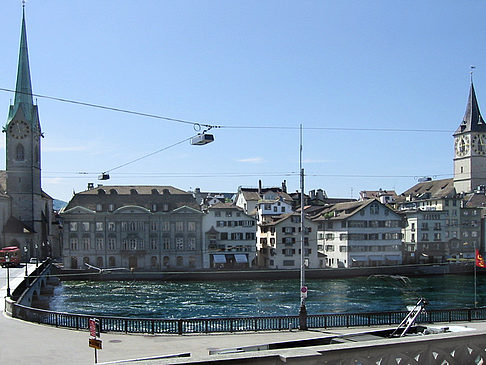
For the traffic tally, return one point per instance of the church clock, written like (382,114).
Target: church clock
(462,146)
(19,129)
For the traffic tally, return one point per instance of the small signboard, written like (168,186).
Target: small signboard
(94,327)
(95,343)
(303,292)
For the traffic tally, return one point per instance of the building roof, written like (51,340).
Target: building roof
(136,195)
(224,206)
(472,120)
(256,194)
(23,88)
(433,189)
(344,210)
(370,194)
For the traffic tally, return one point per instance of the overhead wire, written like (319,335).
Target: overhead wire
(207,125)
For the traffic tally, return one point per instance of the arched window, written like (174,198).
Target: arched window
(112,261)
(99,261)
(20,152)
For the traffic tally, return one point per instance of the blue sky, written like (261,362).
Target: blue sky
(400,65)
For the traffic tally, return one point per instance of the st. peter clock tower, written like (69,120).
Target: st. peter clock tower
(470,148)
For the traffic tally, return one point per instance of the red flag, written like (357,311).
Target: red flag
(479,260)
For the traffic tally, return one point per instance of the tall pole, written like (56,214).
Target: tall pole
(303,288)
(7,261)
(475,282)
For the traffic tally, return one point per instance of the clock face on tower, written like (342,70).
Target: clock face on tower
(478,144)
(462,146)
(18,129)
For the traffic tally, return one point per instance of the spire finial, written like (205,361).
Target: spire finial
(23,4)
(471,72)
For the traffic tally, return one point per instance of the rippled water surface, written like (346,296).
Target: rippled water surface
(262,298)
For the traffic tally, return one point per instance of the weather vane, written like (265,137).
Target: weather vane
(472,71)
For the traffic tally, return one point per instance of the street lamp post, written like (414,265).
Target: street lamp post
(26,260)
(7,262)
(303,288)
(36,255)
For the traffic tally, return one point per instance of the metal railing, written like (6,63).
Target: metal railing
(238,324)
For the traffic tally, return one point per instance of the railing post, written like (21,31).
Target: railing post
(469,317)
(255,325)
(179,326)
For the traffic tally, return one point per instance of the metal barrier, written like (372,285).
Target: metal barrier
(241,324)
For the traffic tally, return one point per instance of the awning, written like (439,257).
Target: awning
(393,258)
(377,258)
(219,259)
(359,258)
(241,258)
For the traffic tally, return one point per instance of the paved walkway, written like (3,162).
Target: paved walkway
(29,343)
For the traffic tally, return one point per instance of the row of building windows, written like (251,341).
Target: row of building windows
(362,224)
(131,226)
(246,223)
(360,236)
(331,248)
(86,244)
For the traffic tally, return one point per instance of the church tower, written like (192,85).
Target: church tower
(470,148)
(23,156)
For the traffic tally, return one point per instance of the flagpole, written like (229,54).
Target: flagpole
(475,282)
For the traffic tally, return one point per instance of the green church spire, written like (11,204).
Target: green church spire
(23,88)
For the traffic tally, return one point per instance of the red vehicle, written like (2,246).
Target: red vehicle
(13,253)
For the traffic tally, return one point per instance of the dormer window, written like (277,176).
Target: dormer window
(154,207)
(133,191)
(99,207)
(113,192)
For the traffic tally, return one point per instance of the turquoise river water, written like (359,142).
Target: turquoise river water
(198,299)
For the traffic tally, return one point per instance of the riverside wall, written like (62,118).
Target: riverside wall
(255,274)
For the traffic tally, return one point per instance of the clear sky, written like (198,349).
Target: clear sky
(401,65)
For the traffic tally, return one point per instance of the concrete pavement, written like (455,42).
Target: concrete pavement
(29,343)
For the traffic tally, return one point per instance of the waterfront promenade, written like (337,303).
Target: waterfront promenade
(29,343)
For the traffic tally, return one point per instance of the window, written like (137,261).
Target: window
(74,244)
(112,261)
(111,207)
(99,207)
(153,226)
(343,236)
(153,243)
(283,209)
(229,213)
(217,213)
(111,244)
(111,226)
(179,261)
(166,261)
(191,226)
(224,235)
(425,236)
(275,209)
(166,243)
(19,153)
(73,226)
(154,207)
(343,248)
(99,226)
(374,209)
(179,243)
(99,243)
(329,248)
(85,226)
(166,226)
(86,242)
(179,226)
(329,236)
(191,243)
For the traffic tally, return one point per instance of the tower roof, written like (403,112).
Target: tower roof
(472,120)
(23,88)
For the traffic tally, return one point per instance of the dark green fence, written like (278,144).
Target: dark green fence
(239,324)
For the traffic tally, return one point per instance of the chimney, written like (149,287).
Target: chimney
(90,186)
(312,194)
(284,186)
(259,186)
